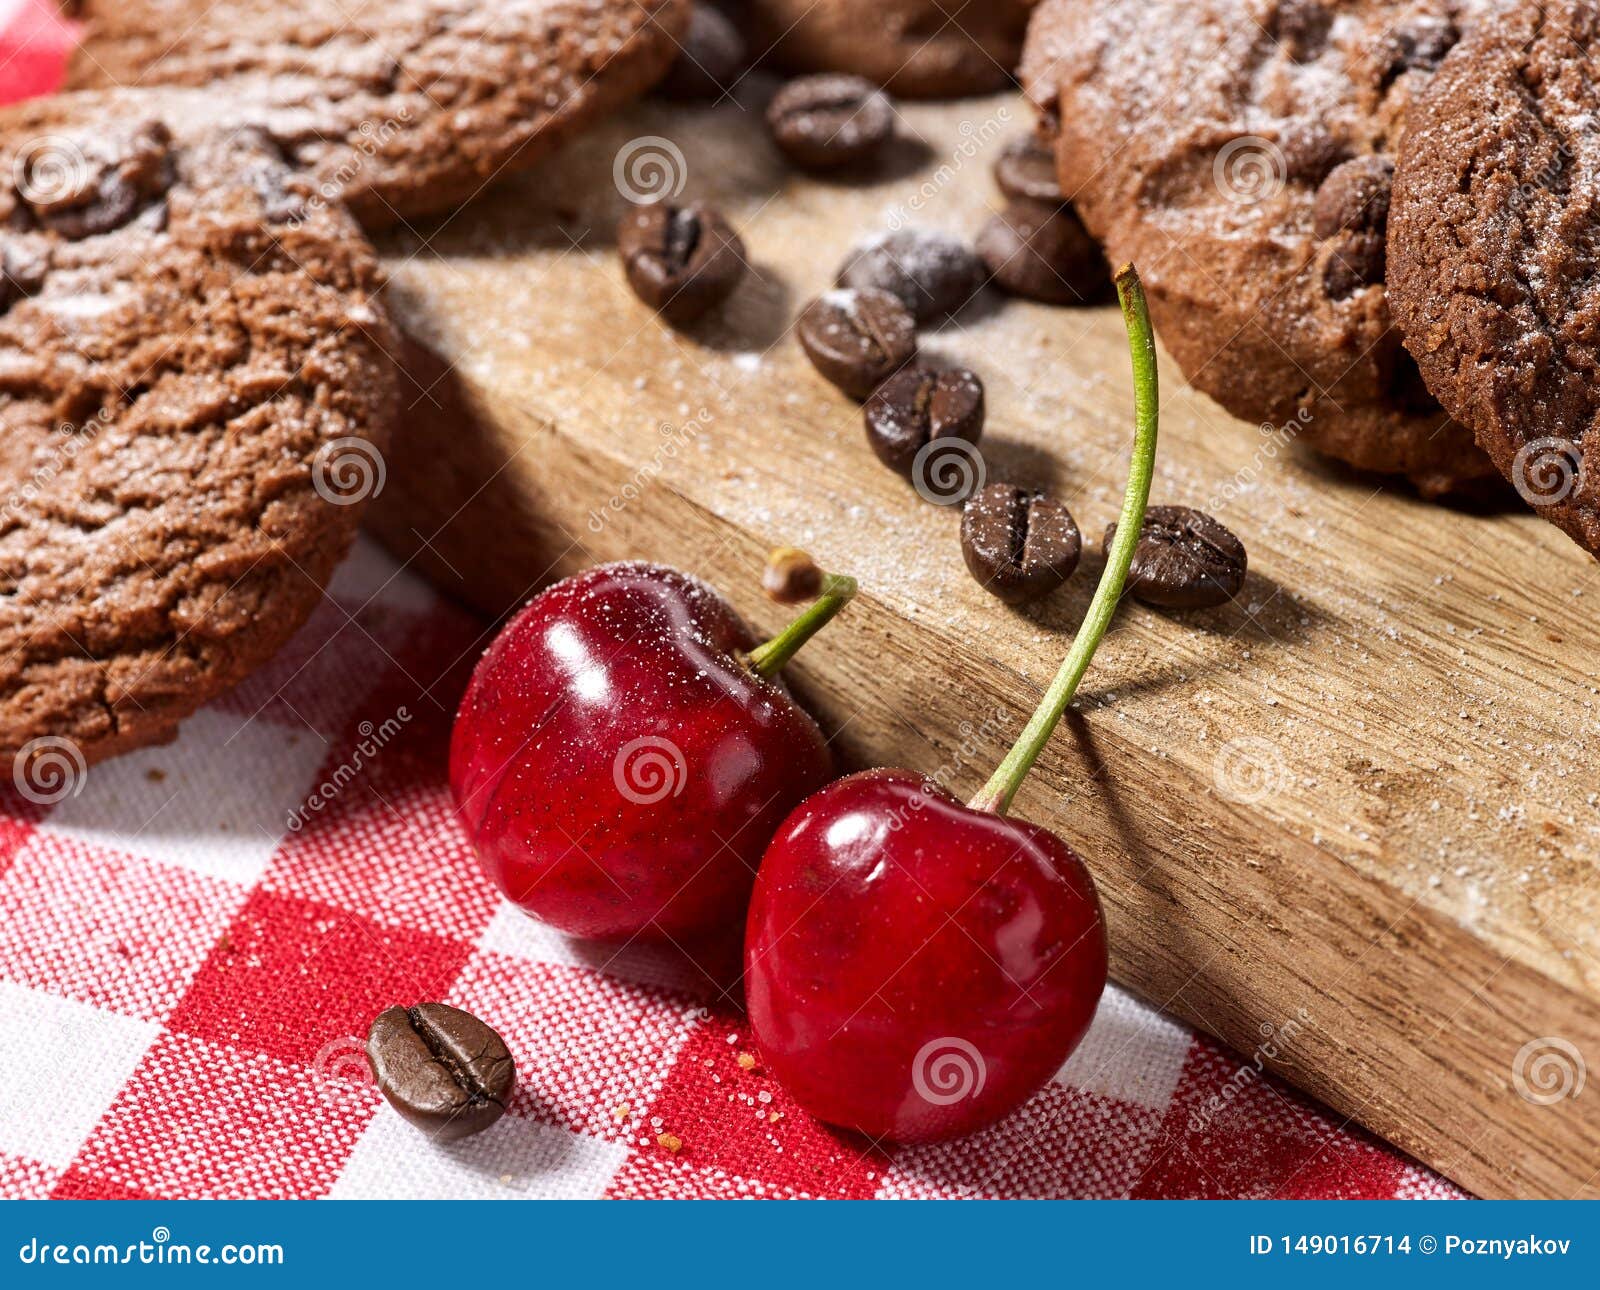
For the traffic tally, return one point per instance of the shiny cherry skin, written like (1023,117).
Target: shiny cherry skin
(618,766)
(916,969)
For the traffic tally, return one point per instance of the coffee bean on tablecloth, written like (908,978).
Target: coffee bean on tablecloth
(443,1069)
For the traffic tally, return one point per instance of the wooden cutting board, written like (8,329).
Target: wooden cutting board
(1348,824)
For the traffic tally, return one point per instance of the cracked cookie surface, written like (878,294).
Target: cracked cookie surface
(193,357)
(1496,248)
(397,107)
(1239,152)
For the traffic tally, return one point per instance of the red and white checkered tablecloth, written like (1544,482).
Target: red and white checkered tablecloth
(193,940)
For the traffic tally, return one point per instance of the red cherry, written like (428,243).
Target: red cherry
(915,969)
(623,753)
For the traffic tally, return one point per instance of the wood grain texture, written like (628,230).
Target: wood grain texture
(1363,797)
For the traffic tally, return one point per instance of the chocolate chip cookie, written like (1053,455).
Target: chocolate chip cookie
(1495,238)
(397,107)
(916,48)
(1239,151)
(194,397)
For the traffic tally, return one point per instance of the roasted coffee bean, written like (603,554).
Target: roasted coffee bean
(680,260)
(1358,260)
(827,121)
(1354,196)
(857,339)
(932,274)
(917,406)
(1184,559)
(711,58)
(1025,171)
(1018,543)
(444,1070)
(1043,255)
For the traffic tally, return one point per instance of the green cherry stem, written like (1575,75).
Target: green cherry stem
(996,795)
(769,658)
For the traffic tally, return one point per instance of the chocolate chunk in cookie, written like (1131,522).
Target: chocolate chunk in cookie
(1302,28)
(193,352)
(396,107)
(1237,151)
(1493,231)
(100,186)
(1354,197)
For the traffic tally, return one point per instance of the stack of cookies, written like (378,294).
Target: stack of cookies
(196,368)
(1368,222)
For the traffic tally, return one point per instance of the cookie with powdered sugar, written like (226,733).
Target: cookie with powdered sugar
(1240,153)
(1495,242)
(395,107)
